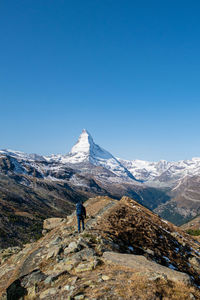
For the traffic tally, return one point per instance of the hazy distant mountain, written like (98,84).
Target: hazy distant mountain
(162,173)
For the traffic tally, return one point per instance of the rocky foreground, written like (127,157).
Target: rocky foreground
(126,252)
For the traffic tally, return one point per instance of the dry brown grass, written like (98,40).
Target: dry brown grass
(123,284)
(140,287)
(24,214)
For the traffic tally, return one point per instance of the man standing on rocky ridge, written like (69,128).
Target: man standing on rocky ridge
(81,214)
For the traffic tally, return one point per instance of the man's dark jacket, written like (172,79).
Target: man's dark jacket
(80,210)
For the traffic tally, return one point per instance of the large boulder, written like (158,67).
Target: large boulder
(139,263)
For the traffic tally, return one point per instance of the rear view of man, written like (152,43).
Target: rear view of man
(81,214)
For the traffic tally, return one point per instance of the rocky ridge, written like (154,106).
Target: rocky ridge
(124,250)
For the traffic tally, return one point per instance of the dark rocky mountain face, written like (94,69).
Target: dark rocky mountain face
(126,252)
(24,207)
(184,203)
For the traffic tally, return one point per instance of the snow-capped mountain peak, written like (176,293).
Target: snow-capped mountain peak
(86,151)
(84,143)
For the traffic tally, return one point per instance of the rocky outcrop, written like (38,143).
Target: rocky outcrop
(8,252)
(124,250)
(141,265)
(52,223)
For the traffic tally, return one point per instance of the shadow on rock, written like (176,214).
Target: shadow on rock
(15,291)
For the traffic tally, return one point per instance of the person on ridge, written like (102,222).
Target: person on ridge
(81,214)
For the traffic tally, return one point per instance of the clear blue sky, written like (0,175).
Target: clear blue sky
(128,71)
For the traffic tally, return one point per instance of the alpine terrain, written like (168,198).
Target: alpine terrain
(126,252)
(35,187)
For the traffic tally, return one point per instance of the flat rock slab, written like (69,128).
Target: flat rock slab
(140,264)
(52,223)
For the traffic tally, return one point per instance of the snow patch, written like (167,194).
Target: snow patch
(172,267)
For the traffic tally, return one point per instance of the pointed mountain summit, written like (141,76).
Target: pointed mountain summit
(86,151)
(85,144)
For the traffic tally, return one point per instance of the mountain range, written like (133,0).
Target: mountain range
(85,151)
(34,187)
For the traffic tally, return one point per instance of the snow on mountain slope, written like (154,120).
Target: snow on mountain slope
(145,170)
(162,171)
(84,156)
(86,151)
(21,155)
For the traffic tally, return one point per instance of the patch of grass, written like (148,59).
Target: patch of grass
(194,232)
(93,239)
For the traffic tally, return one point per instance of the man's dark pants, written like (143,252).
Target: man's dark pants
(80,219)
